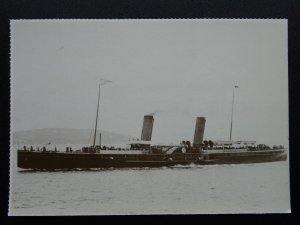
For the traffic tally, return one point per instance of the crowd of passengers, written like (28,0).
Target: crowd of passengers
(251,148)
(207,145)
(42,149)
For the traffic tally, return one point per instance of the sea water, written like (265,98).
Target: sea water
(240,188)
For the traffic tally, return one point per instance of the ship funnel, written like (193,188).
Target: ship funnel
(147,128)
(199,131)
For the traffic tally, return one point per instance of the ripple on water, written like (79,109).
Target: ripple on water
(262,187)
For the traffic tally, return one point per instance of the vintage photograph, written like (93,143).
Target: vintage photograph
(151,116)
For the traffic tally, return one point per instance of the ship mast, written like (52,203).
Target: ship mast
(103,82)
(96,118)
(234,87)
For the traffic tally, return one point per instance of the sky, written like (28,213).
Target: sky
(179,69)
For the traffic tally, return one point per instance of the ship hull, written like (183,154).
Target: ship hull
(245,157)
(38,160)
(57,160)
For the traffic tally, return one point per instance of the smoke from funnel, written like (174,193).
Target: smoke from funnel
(147,128)
(172,111)
(199,131)
(155,112)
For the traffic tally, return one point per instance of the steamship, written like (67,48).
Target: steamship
(142,154)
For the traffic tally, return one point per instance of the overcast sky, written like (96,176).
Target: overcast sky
(180,68)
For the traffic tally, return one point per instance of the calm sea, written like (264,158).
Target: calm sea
(245,188)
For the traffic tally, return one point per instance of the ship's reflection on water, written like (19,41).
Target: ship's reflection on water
(108,169)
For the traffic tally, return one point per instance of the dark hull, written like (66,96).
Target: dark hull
(245,157)
(52,160)
(37,160)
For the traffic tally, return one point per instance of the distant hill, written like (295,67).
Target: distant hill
(61,136)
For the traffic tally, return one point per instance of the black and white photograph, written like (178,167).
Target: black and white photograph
(149,116)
